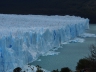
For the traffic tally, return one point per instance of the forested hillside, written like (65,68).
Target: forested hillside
(83,8)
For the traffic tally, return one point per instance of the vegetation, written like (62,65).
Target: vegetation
(88,63)
(39,69)
(18,69)
(55,70)
(83,64)
(65,69)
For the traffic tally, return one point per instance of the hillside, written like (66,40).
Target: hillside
(83,8)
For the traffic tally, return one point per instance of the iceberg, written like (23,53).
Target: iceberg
(23,38)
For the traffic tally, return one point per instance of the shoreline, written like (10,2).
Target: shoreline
(68,57)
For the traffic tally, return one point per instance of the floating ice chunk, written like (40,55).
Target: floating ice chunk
(55,48)
(80,40)
(39,60)
(65,43)
(76,40)
(88,35)
(51,53)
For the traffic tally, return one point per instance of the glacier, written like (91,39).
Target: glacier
(23,38)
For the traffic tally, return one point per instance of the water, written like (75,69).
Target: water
(69,54)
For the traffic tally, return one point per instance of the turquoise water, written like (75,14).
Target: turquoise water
(69,54)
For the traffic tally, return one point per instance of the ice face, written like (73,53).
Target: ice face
(23,38)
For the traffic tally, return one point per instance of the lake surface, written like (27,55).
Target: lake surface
(69,54)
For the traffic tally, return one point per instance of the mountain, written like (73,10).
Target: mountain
(83,8)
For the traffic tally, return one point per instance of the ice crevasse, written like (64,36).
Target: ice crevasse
(23,38)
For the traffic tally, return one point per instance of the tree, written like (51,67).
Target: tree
(92,57)
(18,69)
(39,69)
(65,69)
(83,63)
(88,62)
(55,70)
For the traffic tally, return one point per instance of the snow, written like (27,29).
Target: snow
(23,38)
(28,68)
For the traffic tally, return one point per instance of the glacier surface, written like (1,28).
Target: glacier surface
(23,38)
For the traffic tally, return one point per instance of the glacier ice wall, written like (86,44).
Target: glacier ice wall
(23,38)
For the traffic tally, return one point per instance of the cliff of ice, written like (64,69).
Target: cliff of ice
(23,38)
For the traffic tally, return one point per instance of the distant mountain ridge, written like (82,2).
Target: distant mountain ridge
(83,8)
